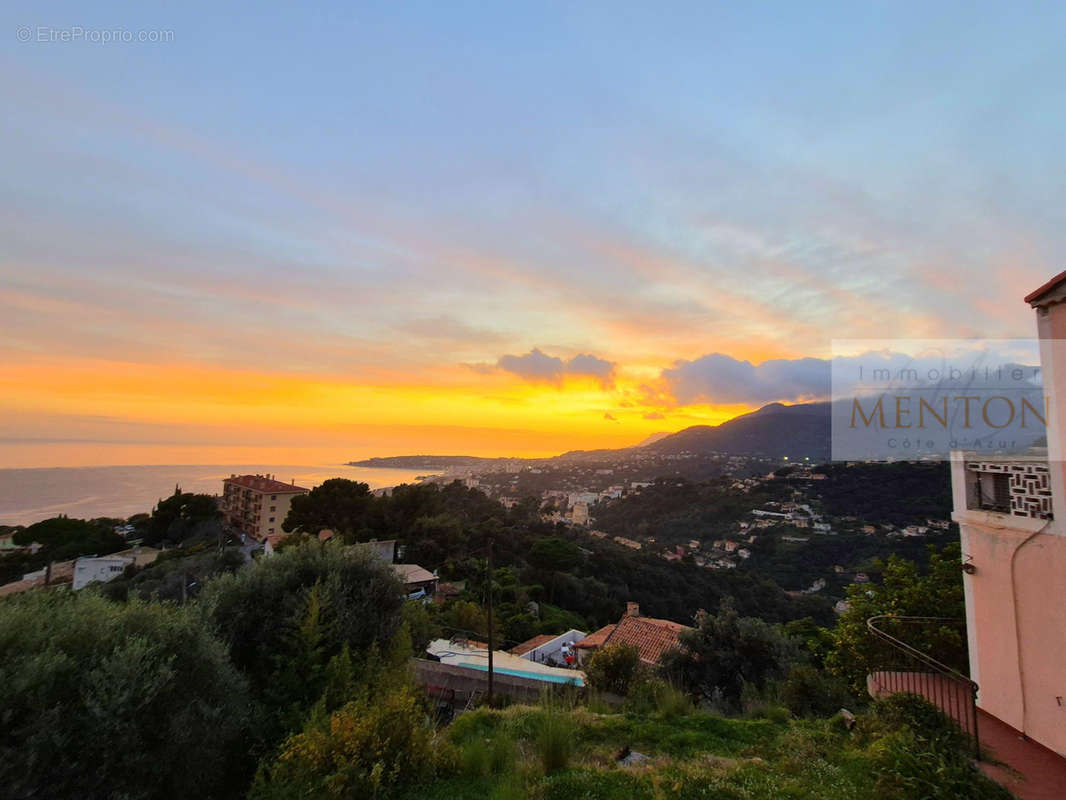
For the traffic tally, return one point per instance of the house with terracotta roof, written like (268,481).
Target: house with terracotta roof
(256,505)
(418,581)
(652,637)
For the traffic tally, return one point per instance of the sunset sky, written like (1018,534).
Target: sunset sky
(301,233)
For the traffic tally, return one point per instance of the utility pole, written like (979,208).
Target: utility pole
(492,641)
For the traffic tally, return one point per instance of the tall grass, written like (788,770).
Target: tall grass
(482,758)
(658,697)
(555,740)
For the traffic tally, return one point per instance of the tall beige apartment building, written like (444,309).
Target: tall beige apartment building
(256,505)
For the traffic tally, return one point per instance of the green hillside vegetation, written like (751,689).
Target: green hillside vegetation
(694,754)
(61,539)
(903,493)
(288,678)
(447,528)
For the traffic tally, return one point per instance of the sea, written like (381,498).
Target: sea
(30,495)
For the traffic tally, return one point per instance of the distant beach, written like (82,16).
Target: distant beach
(30,495)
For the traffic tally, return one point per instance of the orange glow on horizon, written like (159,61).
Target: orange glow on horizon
(117,411)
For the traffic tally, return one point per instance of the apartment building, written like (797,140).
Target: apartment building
(1014,556)
(256,505)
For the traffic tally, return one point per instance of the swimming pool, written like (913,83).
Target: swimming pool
(536,676)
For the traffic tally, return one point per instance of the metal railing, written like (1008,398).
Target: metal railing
(911,670)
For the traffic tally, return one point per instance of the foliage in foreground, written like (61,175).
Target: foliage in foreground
(99,700)
(367,736)
(725,654)
(614,668)
(904,591)
(904,749)
(287,617)
(370,746)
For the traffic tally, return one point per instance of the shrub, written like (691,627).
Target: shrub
(658,696)
(917,751)
(285,617)
(378,743)
(725,653)
(613,668)
(809,692)
(101,700)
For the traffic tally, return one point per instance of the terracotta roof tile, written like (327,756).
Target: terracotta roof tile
(261,483)
(532,644)
(651,637)
(596,638)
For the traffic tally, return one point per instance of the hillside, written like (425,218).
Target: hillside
(797,431)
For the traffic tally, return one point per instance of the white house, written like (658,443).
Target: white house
(102,569)
(549,649)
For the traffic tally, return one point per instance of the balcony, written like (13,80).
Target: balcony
(904,646)
(1018,487)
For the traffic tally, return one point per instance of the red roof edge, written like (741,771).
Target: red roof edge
(1033,297)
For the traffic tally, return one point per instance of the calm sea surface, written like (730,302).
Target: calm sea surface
(30,495)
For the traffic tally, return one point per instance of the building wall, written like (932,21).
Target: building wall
(553,648)
(1017,622)
(255,513)
(104,569)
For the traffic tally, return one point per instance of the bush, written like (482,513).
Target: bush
(613,668)
(917,751)
(370,747)
(285,617)
(658,696)
(101,700)
(726,655)
(809,692)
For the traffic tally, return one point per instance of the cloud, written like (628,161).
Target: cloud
(537,366)
(609,416)
(585,364)
(718,378)
(654,415)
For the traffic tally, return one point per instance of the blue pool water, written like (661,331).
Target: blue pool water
(537,676)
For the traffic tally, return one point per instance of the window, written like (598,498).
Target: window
(993,491)
(273,508)
(116,568)
(271,519)
(273,497)
(270,530)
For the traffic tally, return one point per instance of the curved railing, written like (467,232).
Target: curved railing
(909,669)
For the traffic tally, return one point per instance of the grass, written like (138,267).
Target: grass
(546,752)
(555,740)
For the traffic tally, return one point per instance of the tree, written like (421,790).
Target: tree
(182,516)
(903,591)
(554,554)
(613,668)
(338,504)
(102,700)
(63,538)
(268,614)
(725,652)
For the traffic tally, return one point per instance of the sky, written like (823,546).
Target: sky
(372,229)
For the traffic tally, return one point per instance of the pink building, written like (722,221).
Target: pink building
(1014,556)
